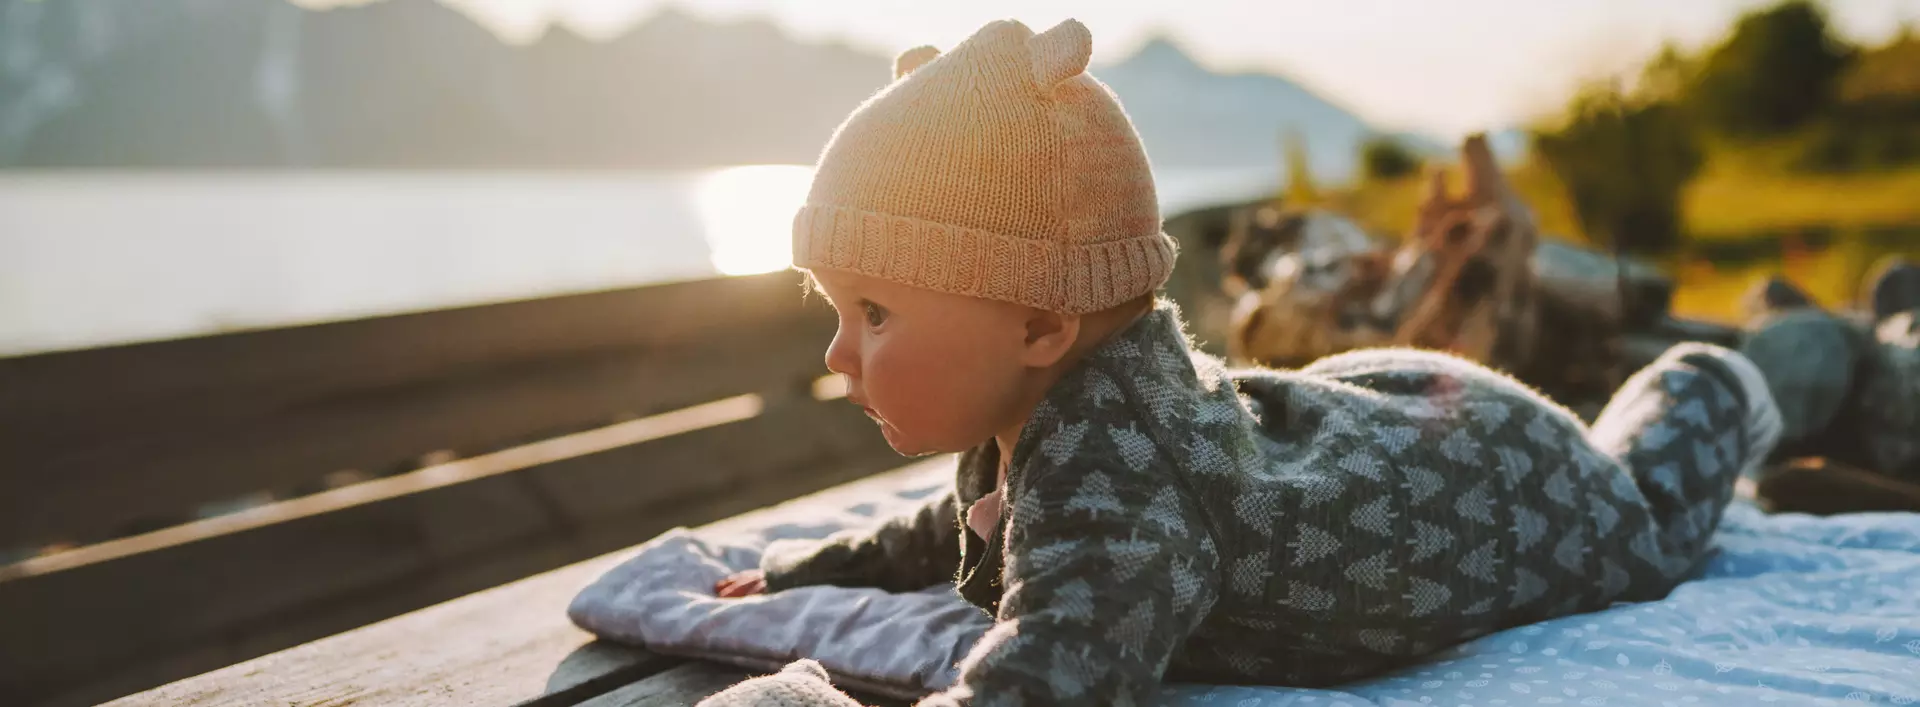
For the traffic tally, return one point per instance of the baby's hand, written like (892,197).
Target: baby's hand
(741,584)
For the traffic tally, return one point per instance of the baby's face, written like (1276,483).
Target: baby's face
(939,372)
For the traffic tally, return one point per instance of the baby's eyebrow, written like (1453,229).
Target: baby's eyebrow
(811,284)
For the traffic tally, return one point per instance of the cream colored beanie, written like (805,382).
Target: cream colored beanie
(1001,170)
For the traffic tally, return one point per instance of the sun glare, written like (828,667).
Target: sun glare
(748,215)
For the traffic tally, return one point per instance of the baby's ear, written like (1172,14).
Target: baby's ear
(1060,53)
(913,59)
(1050,336)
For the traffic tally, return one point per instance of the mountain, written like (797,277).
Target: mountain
(1190,116)
(403,83)
(415,84)
(1510,145)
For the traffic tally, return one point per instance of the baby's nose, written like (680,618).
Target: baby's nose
(842,358)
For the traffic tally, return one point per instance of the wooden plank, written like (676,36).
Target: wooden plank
(96,441)
(327,564)
(686,684)
(511,645)
(508,646)
(680,686)
(391,349)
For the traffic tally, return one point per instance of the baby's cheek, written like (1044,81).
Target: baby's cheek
(899,387)
(937,407)
(928,408)
(939,393)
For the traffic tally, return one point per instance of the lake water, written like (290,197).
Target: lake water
(90,259)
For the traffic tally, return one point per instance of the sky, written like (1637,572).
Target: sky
(1442,68)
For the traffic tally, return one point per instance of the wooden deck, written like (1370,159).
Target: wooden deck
(508,646)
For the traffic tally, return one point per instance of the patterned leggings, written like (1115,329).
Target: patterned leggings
(1686,427)
(1564,519)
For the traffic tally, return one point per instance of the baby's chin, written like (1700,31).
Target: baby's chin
(905,444)
(910,446)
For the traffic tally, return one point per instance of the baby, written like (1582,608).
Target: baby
(1131,511)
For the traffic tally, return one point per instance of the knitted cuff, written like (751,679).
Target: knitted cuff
(785,562)
(1762,423)
(1044,274)
(803,683)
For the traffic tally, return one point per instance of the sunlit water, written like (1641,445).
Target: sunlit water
(89,259)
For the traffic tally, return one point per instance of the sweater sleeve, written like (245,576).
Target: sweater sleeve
(905,553)
(1110,569)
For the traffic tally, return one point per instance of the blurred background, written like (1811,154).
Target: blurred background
(260,252)
(177,167)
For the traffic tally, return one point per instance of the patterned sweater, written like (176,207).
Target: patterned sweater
(1166,518)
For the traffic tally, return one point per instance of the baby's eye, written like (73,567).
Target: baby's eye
(876,315)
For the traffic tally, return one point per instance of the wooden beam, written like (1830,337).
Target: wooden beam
(93,443)
(681,686)
(298,571)
(684,685)
(507,646)
(460,471)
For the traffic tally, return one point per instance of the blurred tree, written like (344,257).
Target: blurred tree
(1779,69)
(1667,77)
(1383,158)
(1624,161)
(1875,122)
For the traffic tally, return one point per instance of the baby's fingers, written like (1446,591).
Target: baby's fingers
(740,585)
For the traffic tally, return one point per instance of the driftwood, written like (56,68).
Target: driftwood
(1474,277)
(1462,281)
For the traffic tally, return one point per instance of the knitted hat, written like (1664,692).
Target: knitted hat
(1001,170)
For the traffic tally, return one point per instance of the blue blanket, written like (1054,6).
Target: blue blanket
(1789,610)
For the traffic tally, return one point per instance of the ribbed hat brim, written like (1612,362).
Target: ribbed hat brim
(1042,273)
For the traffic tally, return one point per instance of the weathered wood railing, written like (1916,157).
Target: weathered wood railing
(576,425)
(511,646)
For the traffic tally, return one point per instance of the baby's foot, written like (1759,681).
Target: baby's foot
(1761,423)
(1896,289)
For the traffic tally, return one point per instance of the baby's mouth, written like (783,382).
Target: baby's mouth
(872,414)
